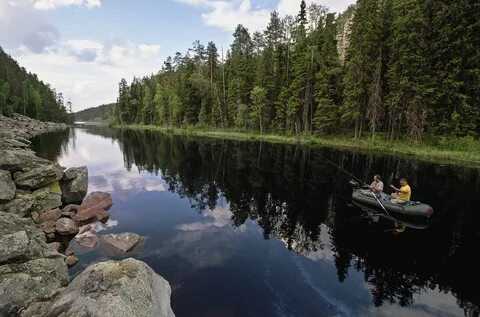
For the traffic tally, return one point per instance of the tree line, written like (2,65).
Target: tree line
(402,69)
(22,92)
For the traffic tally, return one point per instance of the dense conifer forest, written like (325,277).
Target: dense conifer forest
(399,68)
(25,93)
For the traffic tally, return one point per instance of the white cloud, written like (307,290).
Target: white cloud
(228,14)
(53,4)
(33,31)
(87,71)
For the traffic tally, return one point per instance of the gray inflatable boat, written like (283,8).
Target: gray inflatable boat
(412,209)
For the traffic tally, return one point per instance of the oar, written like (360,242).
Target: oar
(380,203)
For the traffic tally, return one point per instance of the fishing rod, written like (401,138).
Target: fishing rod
(359,181)
(345,171)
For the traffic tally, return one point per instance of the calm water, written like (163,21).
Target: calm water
(255,229)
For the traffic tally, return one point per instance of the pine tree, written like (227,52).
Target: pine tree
(328,80)
(363,79)
(409,74)
(259,99)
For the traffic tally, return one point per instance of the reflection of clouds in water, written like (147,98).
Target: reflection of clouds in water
(325,249)
(99,154)
(123,181)
(98,226)
(218,217)
(200,248)
(429,304)
(204,243)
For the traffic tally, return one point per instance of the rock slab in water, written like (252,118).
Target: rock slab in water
(122,241)
(30,270)
(94,207)
(66,226)
(74,185)
(98,200)
(7,186)
(128,288)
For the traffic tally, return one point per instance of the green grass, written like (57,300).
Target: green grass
(459,151)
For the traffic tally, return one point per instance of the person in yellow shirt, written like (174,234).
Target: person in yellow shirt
(402,194)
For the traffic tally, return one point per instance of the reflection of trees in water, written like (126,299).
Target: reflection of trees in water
(291,190)
(53,144)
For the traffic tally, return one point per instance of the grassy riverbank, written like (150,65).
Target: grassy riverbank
(459,151)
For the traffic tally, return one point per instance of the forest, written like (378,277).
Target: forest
(400,69)
(25,93)
(100,113)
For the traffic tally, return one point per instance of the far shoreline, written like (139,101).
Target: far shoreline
(406,149)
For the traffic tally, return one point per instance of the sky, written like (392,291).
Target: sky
(84,47)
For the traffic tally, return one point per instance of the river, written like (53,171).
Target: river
(259,229)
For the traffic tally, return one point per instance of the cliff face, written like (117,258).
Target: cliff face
(344,28)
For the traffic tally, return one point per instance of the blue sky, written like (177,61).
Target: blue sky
(84,47)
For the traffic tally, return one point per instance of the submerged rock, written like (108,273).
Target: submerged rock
(128,288)
(38,177)
(122,241)
(74,185)
(87,239)
(7,186)
(71,260)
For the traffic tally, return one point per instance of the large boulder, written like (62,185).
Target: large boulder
(74,185)
(7,186)
(128,288)
(30,270)
(20,239)
(15,160)
(47,198)
(41,200)
(22,205)
(38,177)
(122,241)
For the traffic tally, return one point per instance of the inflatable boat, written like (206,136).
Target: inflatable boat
(411,211)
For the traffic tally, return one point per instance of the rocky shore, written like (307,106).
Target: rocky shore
(42,207)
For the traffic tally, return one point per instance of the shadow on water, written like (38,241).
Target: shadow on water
(294,192)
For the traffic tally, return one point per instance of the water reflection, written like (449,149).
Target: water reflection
(317,258)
